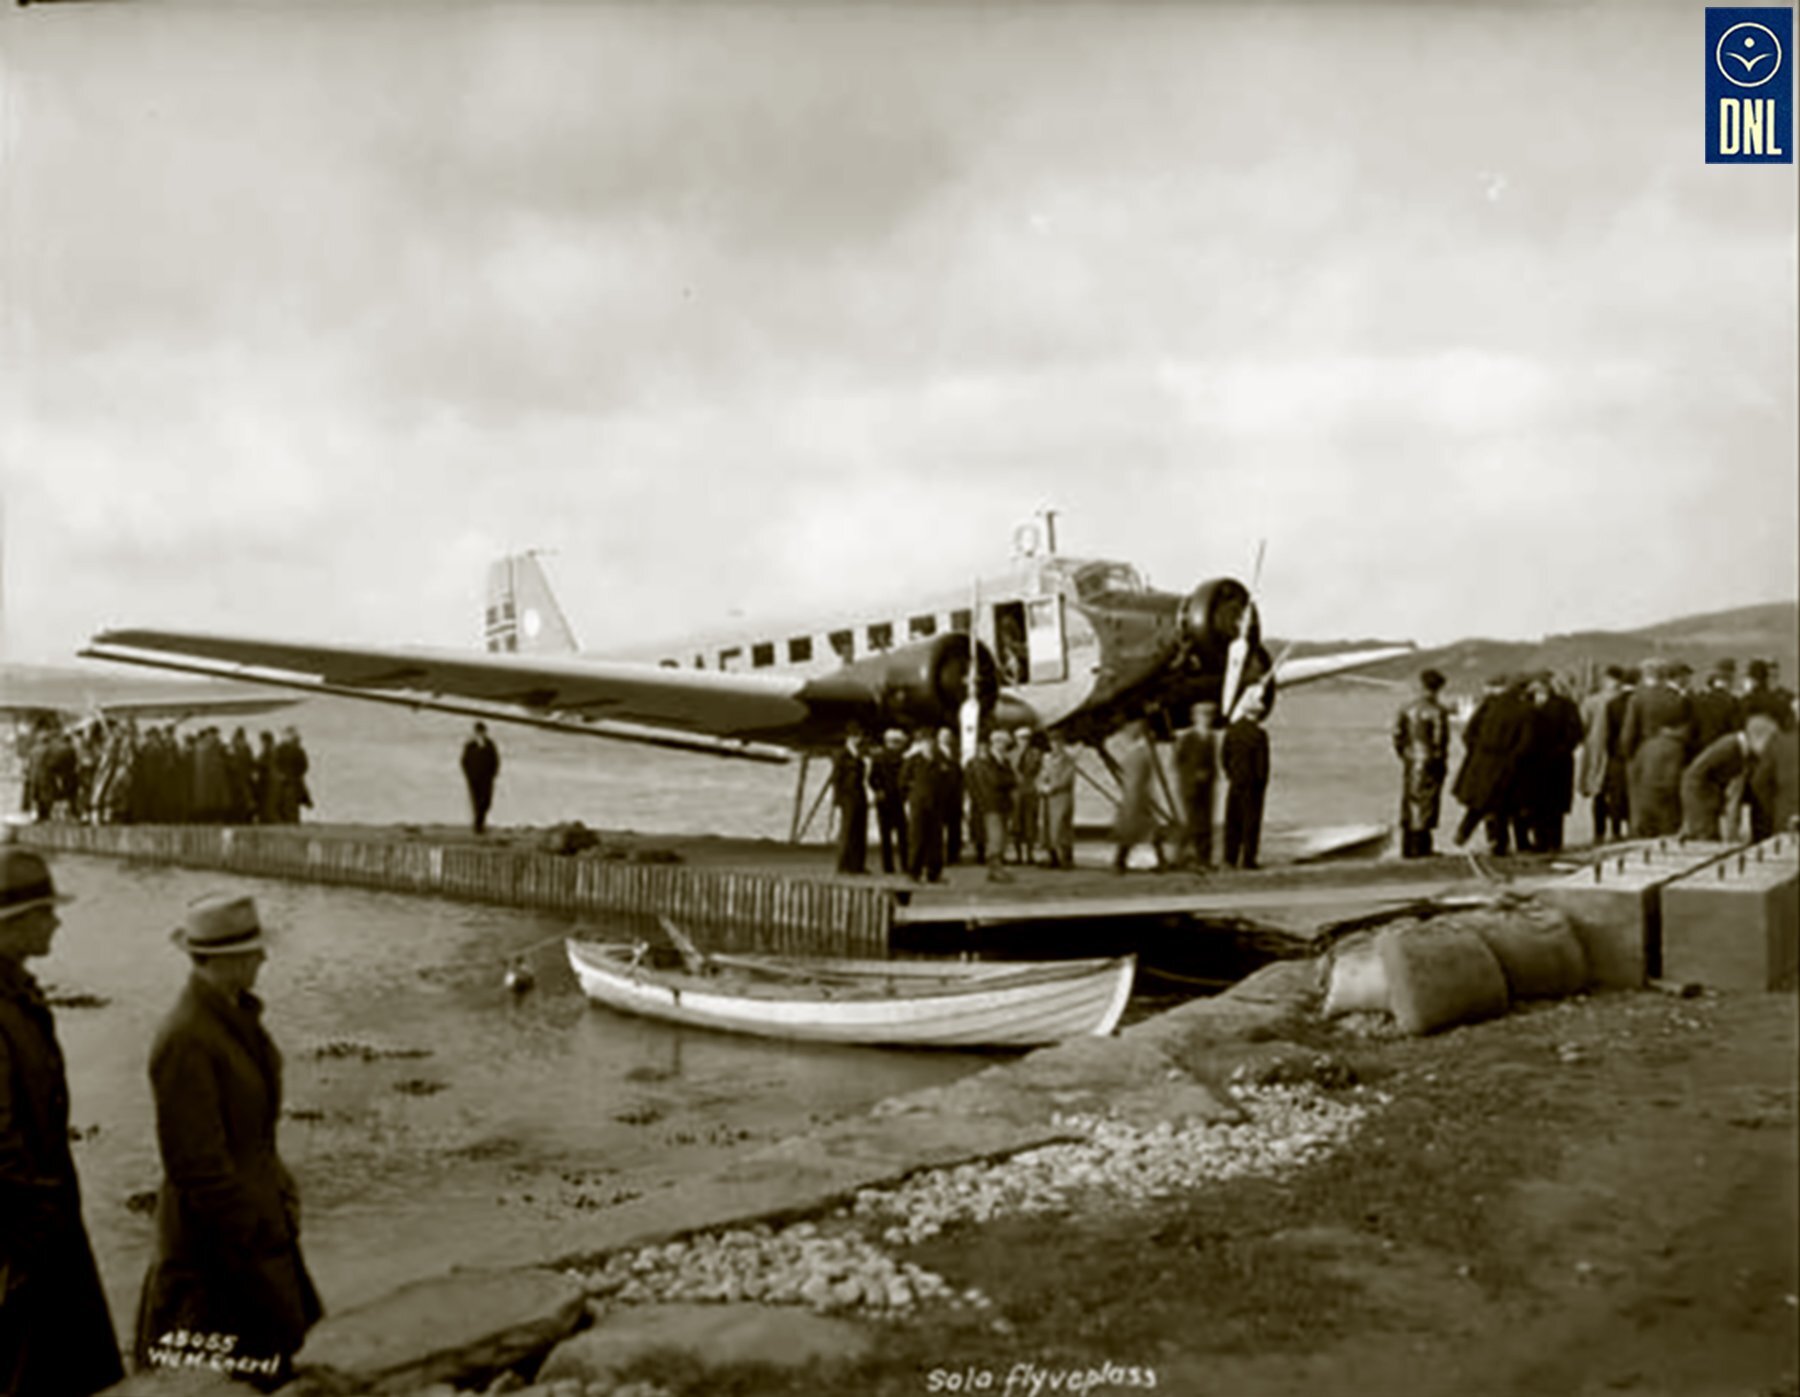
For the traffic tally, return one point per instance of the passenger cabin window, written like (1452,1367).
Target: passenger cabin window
(843,645)
(699,662)
(920,627)
(960,621)
(762,654)
(881,636)
(732,658)
(800,650)
(669,664)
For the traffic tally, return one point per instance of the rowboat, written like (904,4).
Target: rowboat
(926,1004)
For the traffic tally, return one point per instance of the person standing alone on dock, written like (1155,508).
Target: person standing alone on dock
(1422,742)
(227,1274)
(480,765)
(851,796)
(56,1336)
(1244,754)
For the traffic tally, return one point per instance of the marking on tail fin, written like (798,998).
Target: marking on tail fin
(523,615)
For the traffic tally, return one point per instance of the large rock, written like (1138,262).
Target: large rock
(783,1336)
(468,1322)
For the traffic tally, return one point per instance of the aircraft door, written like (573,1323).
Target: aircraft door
(1045,640)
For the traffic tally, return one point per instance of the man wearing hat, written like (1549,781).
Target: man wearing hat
(55,1333)
(227,1266)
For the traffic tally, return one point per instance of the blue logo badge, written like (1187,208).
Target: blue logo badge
(1749,86)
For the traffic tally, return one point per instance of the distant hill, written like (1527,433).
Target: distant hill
(1770,631)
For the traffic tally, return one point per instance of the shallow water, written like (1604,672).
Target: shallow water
(482,1117)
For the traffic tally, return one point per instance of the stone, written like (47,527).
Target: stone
(1291,983)
(465,1323)
(718,1335)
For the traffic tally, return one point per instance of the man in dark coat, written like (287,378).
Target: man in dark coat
(1706,784)
(1244,754)
(924,830)
(989,780)
(480,765)
(227,1267)
(850,794)
(1716,710)
(890,800)
(1486,783)
(1553,730)
(56,1337)
(950,795)
(291,761)
(1422,742)
(1764,695)
(1654,706)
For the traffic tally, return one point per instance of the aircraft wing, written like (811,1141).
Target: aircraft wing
(1305,670)
(720,713)
(42,692)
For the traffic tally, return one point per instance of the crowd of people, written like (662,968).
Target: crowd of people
(1013,801)
(1654,750)
(227,1288)
(109,771)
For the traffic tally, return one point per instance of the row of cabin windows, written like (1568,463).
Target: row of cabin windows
(877,636)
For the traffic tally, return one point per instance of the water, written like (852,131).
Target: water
(1332,762)
(504,1116)
(483,1117)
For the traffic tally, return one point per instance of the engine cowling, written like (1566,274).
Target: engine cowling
(1212,615)
(918,685)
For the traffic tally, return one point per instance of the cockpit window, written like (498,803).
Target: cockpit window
(1097,578)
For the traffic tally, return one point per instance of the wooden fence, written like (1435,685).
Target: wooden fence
(750,909)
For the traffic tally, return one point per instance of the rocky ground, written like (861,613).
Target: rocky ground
(1594,1196)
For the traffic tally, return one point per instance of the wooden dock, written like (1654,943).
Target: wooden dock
(781,898)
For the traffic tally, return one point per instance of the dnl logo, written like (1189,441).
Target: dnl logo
(1749,86)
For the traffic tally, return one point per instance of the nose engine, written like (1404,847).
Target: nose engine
(1213,616)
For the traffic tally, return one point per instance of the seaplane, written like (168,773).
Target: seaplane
(1076,644)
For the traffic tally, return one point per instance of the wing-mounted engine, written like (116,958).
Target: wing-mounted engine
(917,685)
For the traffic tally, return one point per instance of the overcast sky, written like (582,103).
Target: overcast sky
(311,309)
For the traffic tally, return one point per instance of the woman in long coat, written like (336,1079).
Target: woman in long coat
(227,1267)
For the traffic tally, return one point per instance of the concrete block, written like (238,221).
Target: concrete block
(1735,925)
(1615,906)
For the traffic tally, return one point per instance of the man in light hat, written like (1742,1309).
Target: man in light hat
(55,1333)
(227,1281)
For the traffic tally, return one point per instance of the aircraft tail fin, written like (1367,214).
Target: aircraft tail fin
(523,615)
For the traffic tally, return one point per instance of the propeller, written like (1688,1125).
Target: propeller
(1238,656)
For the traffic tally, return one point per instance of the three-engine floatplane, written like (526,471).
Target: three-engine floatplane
(1081,645)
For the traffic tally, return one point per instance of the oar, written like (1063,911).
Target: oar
(693,958)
